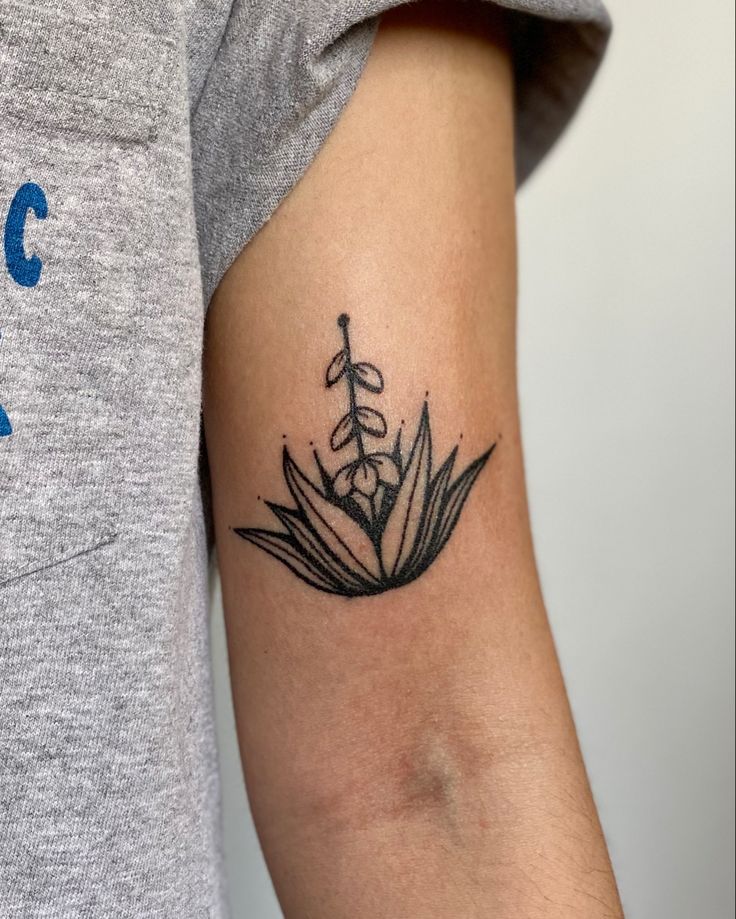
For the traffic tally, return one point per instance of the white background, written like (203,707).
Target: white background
(626,372)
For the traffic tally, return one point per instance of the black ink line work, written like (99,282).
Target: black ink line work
(382,519)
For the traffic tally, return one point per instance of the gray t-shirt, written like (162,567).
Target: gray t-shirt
(142,144)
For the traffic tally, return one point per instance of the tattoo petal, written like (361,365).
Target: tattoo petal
(281,548)
(455,500)
(340,533)
(433,511)
(405,519)
(314,551)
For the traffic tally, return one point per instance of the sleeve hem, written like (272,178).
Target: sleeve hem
(247,160)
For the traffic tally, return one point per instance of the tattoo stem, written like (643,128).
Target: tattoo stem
(343,322)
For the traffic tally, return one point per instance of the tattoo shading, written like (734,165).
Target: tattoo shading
(383,518)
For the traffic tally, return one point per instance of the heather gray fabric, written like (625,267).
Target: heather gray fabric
(153,138)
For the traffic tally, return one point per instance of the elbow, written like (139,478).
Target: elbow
(423,771)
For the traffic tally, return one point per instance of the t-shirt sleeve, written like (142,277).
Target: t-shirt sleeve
(284,71)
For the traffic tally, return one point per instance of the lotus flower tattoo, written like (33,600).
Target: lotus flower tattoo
(382,519)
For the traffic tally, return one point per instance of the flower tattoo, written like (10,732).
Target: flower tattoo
(383,518)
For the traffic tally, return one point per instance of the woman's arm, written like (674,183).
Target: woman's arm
(409,752)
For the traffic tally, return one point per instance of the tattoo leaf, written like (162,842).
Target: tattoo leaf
(369,377)
(342,535)
(283,548)
(315,552)
(371,421)
(336,368)
(343,433)
(456,497)
(433,510)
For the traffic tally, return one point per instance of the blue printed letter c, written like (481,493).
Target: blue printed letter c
(23,270)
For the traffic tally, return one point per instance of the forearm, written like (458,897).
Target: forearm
(408,748)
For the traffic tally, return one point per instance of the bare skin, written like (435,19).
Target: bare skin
(410,754)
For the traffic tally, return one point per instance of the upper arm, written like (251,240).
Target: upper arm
(381,663)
